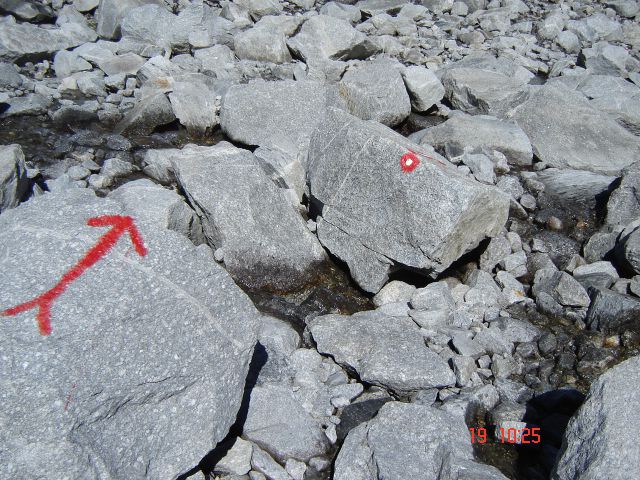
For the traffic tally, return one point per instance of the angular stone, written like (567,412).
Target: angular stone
(375,91)
(599,274)
(612,312)
(276,114)
(606,418)
(266,40)
(424,87)
(127,63)
(324,38)
(266,243)
(151,111)
(564,289)
(14,182)
(366,201)
(194,105)
(385,351)
(630,246)
(606,59)
(278,423)
(260,8)
(481,134)
(170,333)
(404,441)
(624,203)
(575,186)
(24,41)
(65,63)
(566,132)
(394,291)
(111,12)
(478,91)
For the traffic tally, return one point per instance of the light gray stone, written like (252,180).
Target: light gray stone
(598,274)
(356,175)
(280,114)
(151,111)
(277,423)
(111,12)
(575,186)
(607,59)
(170,333)
(126,63)
(481,134)
(266,467)
(274,249)
(394,291)
(385,351)
(624,203)
(630,246)
(266,40)
(611,426)
(260,8)
(477,91)
(65,63)
(194,105)
(424,87)
(562,287)
(612,312)
(14,182)
(375,91)
(237,461)
(481,167)
(407,440)
(566,132)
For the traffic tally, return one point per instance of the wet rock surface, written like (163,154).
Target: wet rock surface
(432,209)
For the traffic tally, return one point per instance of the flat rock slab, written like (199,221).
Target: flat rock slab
(481,134)
(608,419)
(375,215)
(276,114)
(266,243)
(145,367)
(383,350)
(407,440)
(567,132)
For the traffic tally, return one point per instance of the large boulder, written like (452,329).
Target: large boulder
(623,206)
(111,12)
(567,132)
(383,350)
(278,115)
(601,440)
(265,243)
(612,312)
(13,176)
(24,41)
(382,206)
(144,369)
(375,91)
(480,134)
(407,440)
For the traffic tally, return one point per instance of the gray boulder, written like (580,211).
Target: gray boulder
(277,423)
(369,198)
(276,114)
(608,420)
(629,247)
(14,182)
(478,91)
(383,350)
(375,91)
(111,12)
(266,40)
(561,286)
(623,206)
(24,41)
(28,10)
(611,312)
(597,274)
(151,111)
(9,76)
(408,440)
(607,59)
(140,346)
(324,38)
(567,132)
(575,187)
(265,243)
(424,87)
(480,134)
(194,105)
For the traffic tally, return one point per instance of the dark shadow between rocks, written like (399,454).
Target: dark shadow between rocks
(208,463)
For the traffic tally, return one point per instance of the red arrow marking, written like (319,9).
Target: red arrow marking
(43,302)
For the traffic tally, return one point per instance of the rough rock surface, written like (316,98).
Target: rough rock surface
(611,449)
(140,346)
(410,441)
(383,350)
(266,244)
(13,176)
(368,202)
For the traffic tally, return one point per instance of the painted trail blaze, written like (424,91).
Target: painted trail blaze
(119,226)
(409,161)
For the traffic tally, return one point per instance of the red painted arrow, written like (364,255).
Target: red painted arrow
(120,226)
